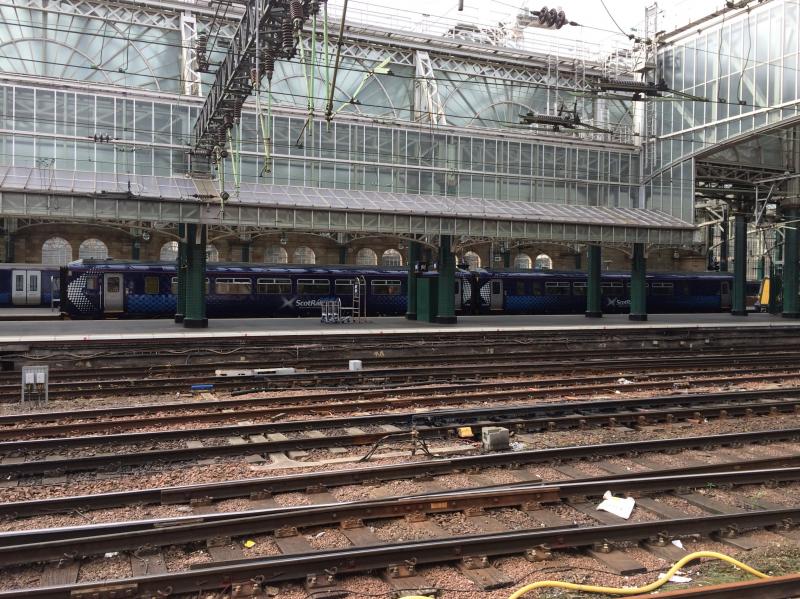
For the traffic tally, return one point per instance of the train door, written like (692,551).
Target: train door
(496,294)
(459,303)
(112,293)
(725,295)
(26,286)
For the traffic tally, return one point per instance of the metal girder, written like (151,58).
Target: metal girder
(428,107)
(269,30)
(190,75)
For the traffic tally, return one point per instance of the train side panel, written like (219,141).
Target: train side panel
(254,291)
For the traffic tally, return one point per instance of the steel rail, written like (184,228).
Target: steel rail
(775,587)
(530,417)
(134,386)
(418,396)
(255,487)
(360,559)
(259,361)
(300,402)
(47,544)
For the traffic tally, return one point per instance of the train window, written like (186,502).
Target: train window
(496,288)
(313,286)
(112,284)
(151,286)
(344,286)
(660,288)
(389,287)
(233,286)
(174,286)
(19,282)
(519,288)
(274,286)
(537,287)
(579,288)
(91,283)
(556,288)
(611,287)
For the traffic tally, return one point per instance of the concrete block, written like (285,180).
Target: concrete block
(495,438)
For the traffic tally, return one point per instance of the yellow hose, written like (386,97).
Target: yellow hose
(637,591)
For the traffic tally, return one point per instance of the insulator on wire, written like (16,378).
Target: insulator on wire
(296,12)
(550,17)
(237,110)
(287,35)
(268,63)
(201,48)
(543,15)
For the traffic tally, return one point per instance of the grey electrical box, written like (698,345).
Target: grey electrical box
(35,382)
(494,438)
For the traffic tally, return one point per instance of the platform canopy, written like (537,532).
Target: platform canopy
(74,195)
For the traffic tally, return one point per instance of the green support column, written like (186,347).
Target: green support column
(760,266)
(180,267)
(136,248)
(790,274)
(246,252)
(739,306)
(195,277)
(506,258)
(342,254)
(9,247)
(638,284)
(578,260)
(446,312)
(411,287)
(723,245)
(593,307)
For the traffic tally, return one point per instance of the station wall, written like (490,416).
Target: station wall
(28,242)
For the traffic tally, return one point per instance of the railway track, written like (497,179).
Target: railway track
(98,383)
(39,545)
(272,484)
(117,419)
(349,431)
(322,568)
(163,350)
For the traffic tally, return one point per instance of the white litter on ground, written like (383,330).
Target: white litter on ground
(676,578)
(619,506)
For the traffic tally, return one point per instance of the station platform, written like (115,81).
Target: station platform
(88,330)
(26,314)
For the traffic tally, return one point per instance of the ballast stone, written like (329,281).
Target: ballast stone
(495,438)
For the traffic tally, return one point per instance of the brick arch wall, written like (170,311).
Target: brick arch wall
(28,248)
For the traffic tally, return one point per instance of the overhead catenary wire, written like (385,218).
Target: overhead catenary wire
(339,44)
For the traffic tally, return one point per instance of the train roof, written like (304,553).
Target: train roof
(571,274)
(232,267)
(243,268)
